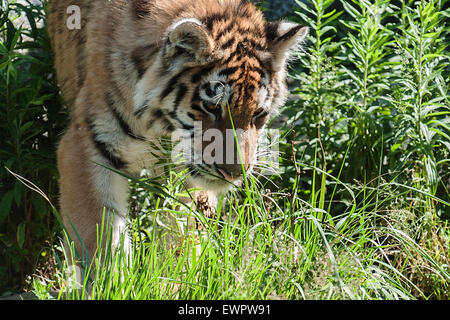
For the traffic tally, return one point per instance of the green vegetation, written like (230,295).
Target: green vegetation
(31,120)
(359,210)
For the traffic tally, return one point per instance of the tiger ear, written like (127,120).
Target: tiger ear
(284,38)
(189,41)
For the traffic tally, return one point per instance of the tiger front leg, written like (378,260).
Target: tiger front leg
(92,196)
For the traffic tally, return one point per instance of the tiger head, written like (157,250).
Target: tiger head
(221,71)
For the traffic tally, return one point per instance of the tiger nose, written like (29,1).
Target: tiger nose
(232,172)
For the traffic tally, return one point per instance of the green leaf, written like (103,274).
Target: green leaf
(396,146)
(21,234)
(18,193)
(334,17)
(350,10)
(441,133)
(5,206)
(25,127)
(14,40)
(39,204)
(430,168)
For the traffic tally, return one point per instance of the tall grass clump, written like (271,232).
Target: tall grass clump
(255,248)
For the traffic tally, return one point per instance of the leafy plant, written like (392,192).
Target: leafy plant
(315,119)
(421,95)
(32,117)
(368,66)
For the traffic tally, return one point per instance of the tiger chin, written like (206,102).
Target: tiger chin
(138,70)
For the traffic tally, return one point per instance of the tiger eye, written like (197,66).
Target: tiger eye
(209,92)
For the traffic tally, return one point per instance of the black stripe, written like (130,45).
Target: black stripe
(192,116)
(104,148)
(116,162)
(142,56)
(122,123)
(225,30)
(230,58)
(182,91)
(230,99)
(241,75)
(260,71)
(169,126)
(229,43)
(193,171)
(197,108)
(171,85)
(178,52)
(252,43)
(185,126)
(196,95)
(248,76)
(196,77)
(217,113)
(249,89)
(141,9)
(271,30)
(158,115)
(141,110)
(228,71)
(210,20)
(252,54)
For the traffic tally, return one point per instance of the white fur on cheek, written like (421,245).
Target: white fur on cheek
(263,98)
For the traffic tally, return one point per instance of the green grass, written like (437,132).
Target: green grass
(264,246)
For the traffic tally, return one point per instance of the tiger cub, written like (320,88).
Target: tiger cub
(133,71)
